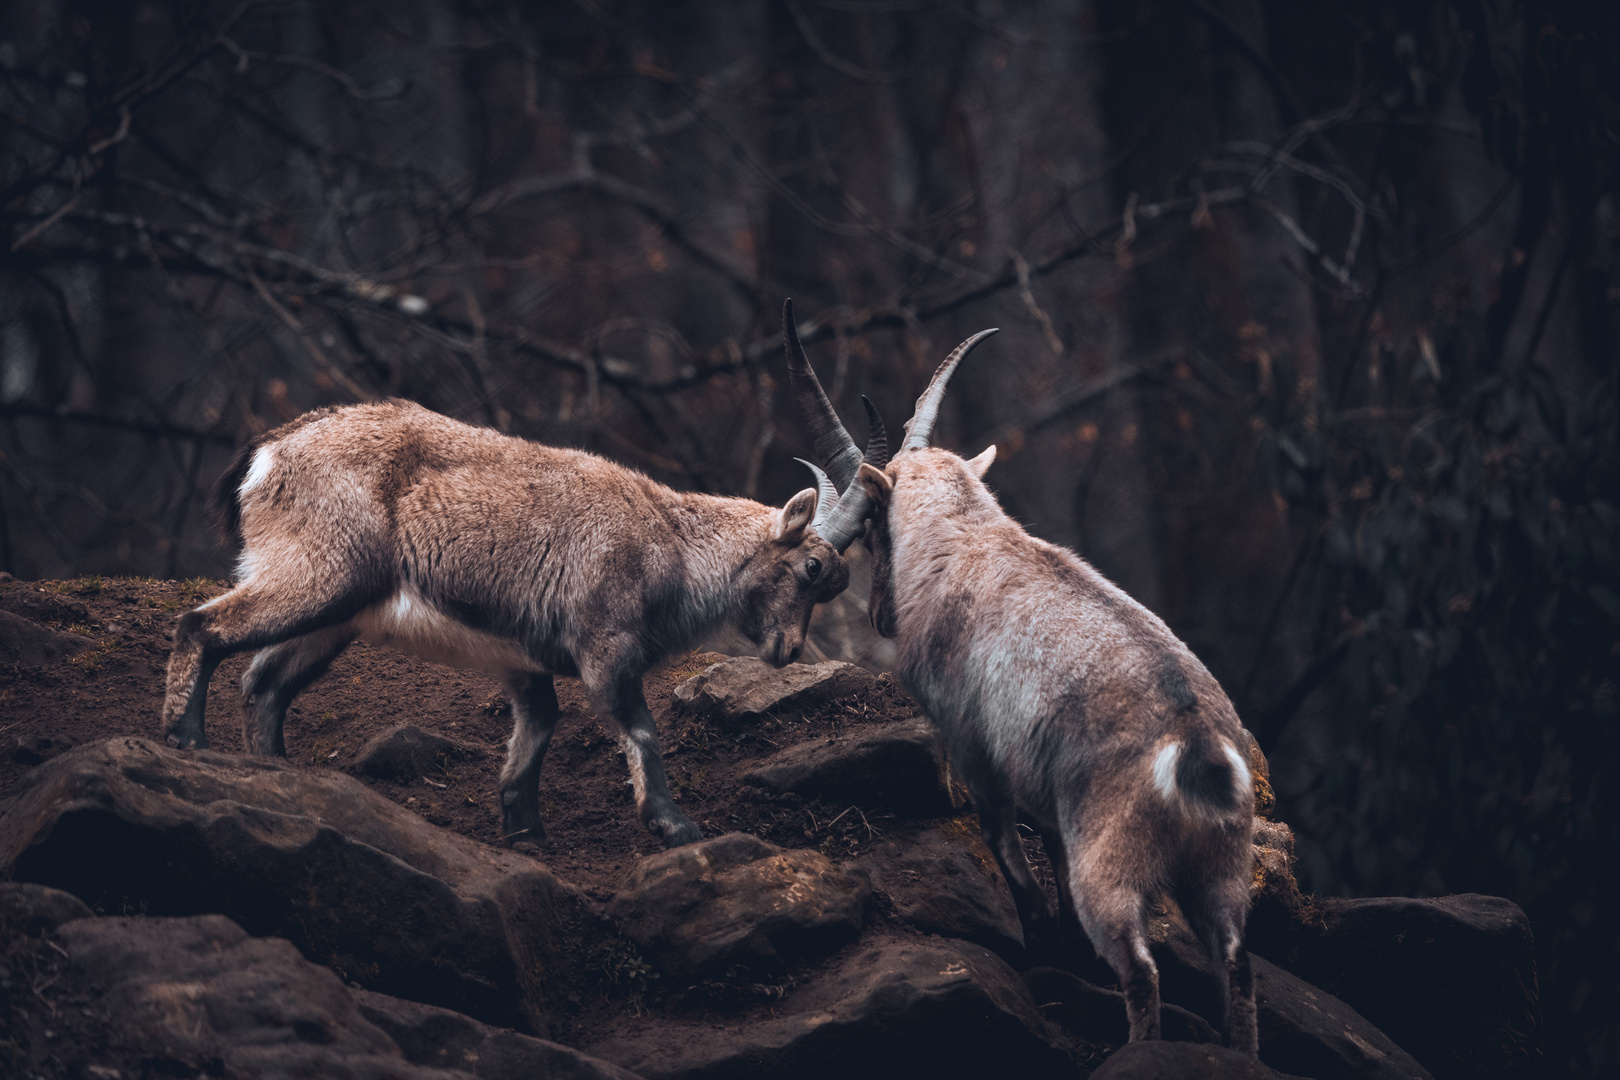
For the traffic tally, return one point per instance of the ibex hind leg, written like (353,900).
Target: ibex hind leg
(266,610)
(1112,916)
(534,720)
(1218,919)
(624,699)
(278,675)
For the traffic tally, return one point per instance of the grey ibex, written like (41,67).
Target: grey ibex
(469,547)
(1061,697)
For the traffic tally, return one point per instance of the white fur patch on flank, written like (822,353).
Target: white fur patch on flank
(1240,768)
(408,622)
(263,460)
(1164,769)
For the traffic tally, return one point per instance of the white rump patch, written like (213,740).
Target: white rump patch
(1240,768)
(263,460)
(1164,769)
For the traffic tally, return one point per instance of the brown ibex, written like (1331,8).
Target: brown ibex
(1061,697)
(469,547)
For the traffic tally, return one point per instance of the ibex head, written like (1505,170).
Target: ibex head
(787,578)
(934,482)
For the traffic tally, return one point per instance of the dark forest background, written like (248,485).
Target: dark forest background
(1310,317)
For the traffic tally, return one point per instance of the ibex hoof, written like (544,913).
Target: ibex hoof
(675,833)
(175,740)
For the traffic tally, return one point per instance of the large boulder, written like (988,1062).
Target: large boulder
(355,881)
(745,688)
(942,1010)
(26,908)
(900,765)
(947,888)
(197,996)
(1303,1029)
(738,900)
(1451,979)
(406,753)
(28,644)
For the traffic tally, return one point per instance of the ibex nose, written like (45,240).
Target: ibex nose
(794,655)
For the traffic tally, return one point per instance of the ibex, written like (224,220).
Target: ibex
(469,547)
(1061,697)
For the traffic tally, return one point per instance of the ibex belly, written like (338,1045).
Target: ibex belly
(408,622)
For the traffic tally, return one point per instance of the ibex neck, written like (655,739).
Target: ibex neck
(718,537)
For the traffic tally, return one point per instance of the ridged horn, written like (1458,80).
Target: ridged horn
(832,444)
(921,425)
(826,495)
(877,437)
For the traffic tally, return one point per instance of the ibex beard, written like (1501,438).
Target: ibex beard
(1061,697)
(475,549)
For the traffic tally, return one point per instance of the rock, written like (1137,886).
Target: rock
(1265,800)
(942,1010)
(27,908)
(1092,1014)
(1451,979)
(745,688)
(37,605)
(36,749)
(737,899)
(443,1039)
(355,881)
(201,996)
(899,765)
(28,644)
(1180,1061)
(951,889)
(1303,1029)
(408,753)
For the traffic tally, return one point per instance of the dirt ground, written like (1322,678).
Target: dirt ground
(116,688)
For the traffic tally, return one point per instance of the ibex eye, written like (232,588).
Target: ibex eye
(812,567)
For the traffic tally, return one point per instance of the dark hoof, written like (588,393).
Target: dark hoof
(198,743)
(675,834)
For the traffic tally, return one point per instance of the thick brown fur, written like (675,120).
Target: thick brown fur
(1063,699)
(474,548)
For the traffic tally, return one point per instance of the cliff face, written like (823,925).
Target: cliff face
(344,912)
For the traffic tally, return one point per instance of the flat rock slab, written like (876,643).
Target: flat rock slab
(1304,1030)
(1181,1061)
(28,644)
(941,1010)
(738,900)
(357,882)
(1451,979)
(900,765)
(198,996)
(406,753)
(744,688)
(948,888)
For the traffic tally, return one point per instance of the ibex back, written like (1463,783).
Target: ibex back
(477,549)
(1061,697)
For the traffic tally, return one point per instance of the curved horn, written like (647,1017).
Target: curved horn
(877,437)
(826,495)
(921,425)
(827,435)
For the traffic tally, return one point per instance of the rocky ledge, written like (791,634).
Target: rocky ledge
(185,914)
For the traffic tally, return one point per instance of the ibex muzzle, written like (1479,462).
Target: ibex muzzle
(1061,697)
(472,548)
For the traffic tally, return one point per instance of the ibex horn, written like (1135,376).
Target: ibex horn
(921,425)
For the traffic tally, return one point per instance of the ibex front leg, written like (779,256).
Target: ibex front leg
(625,701)
(534,719)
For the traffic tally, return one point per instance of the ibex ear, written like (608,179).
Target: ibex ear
(795,517)
(876,482)
(981,464)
